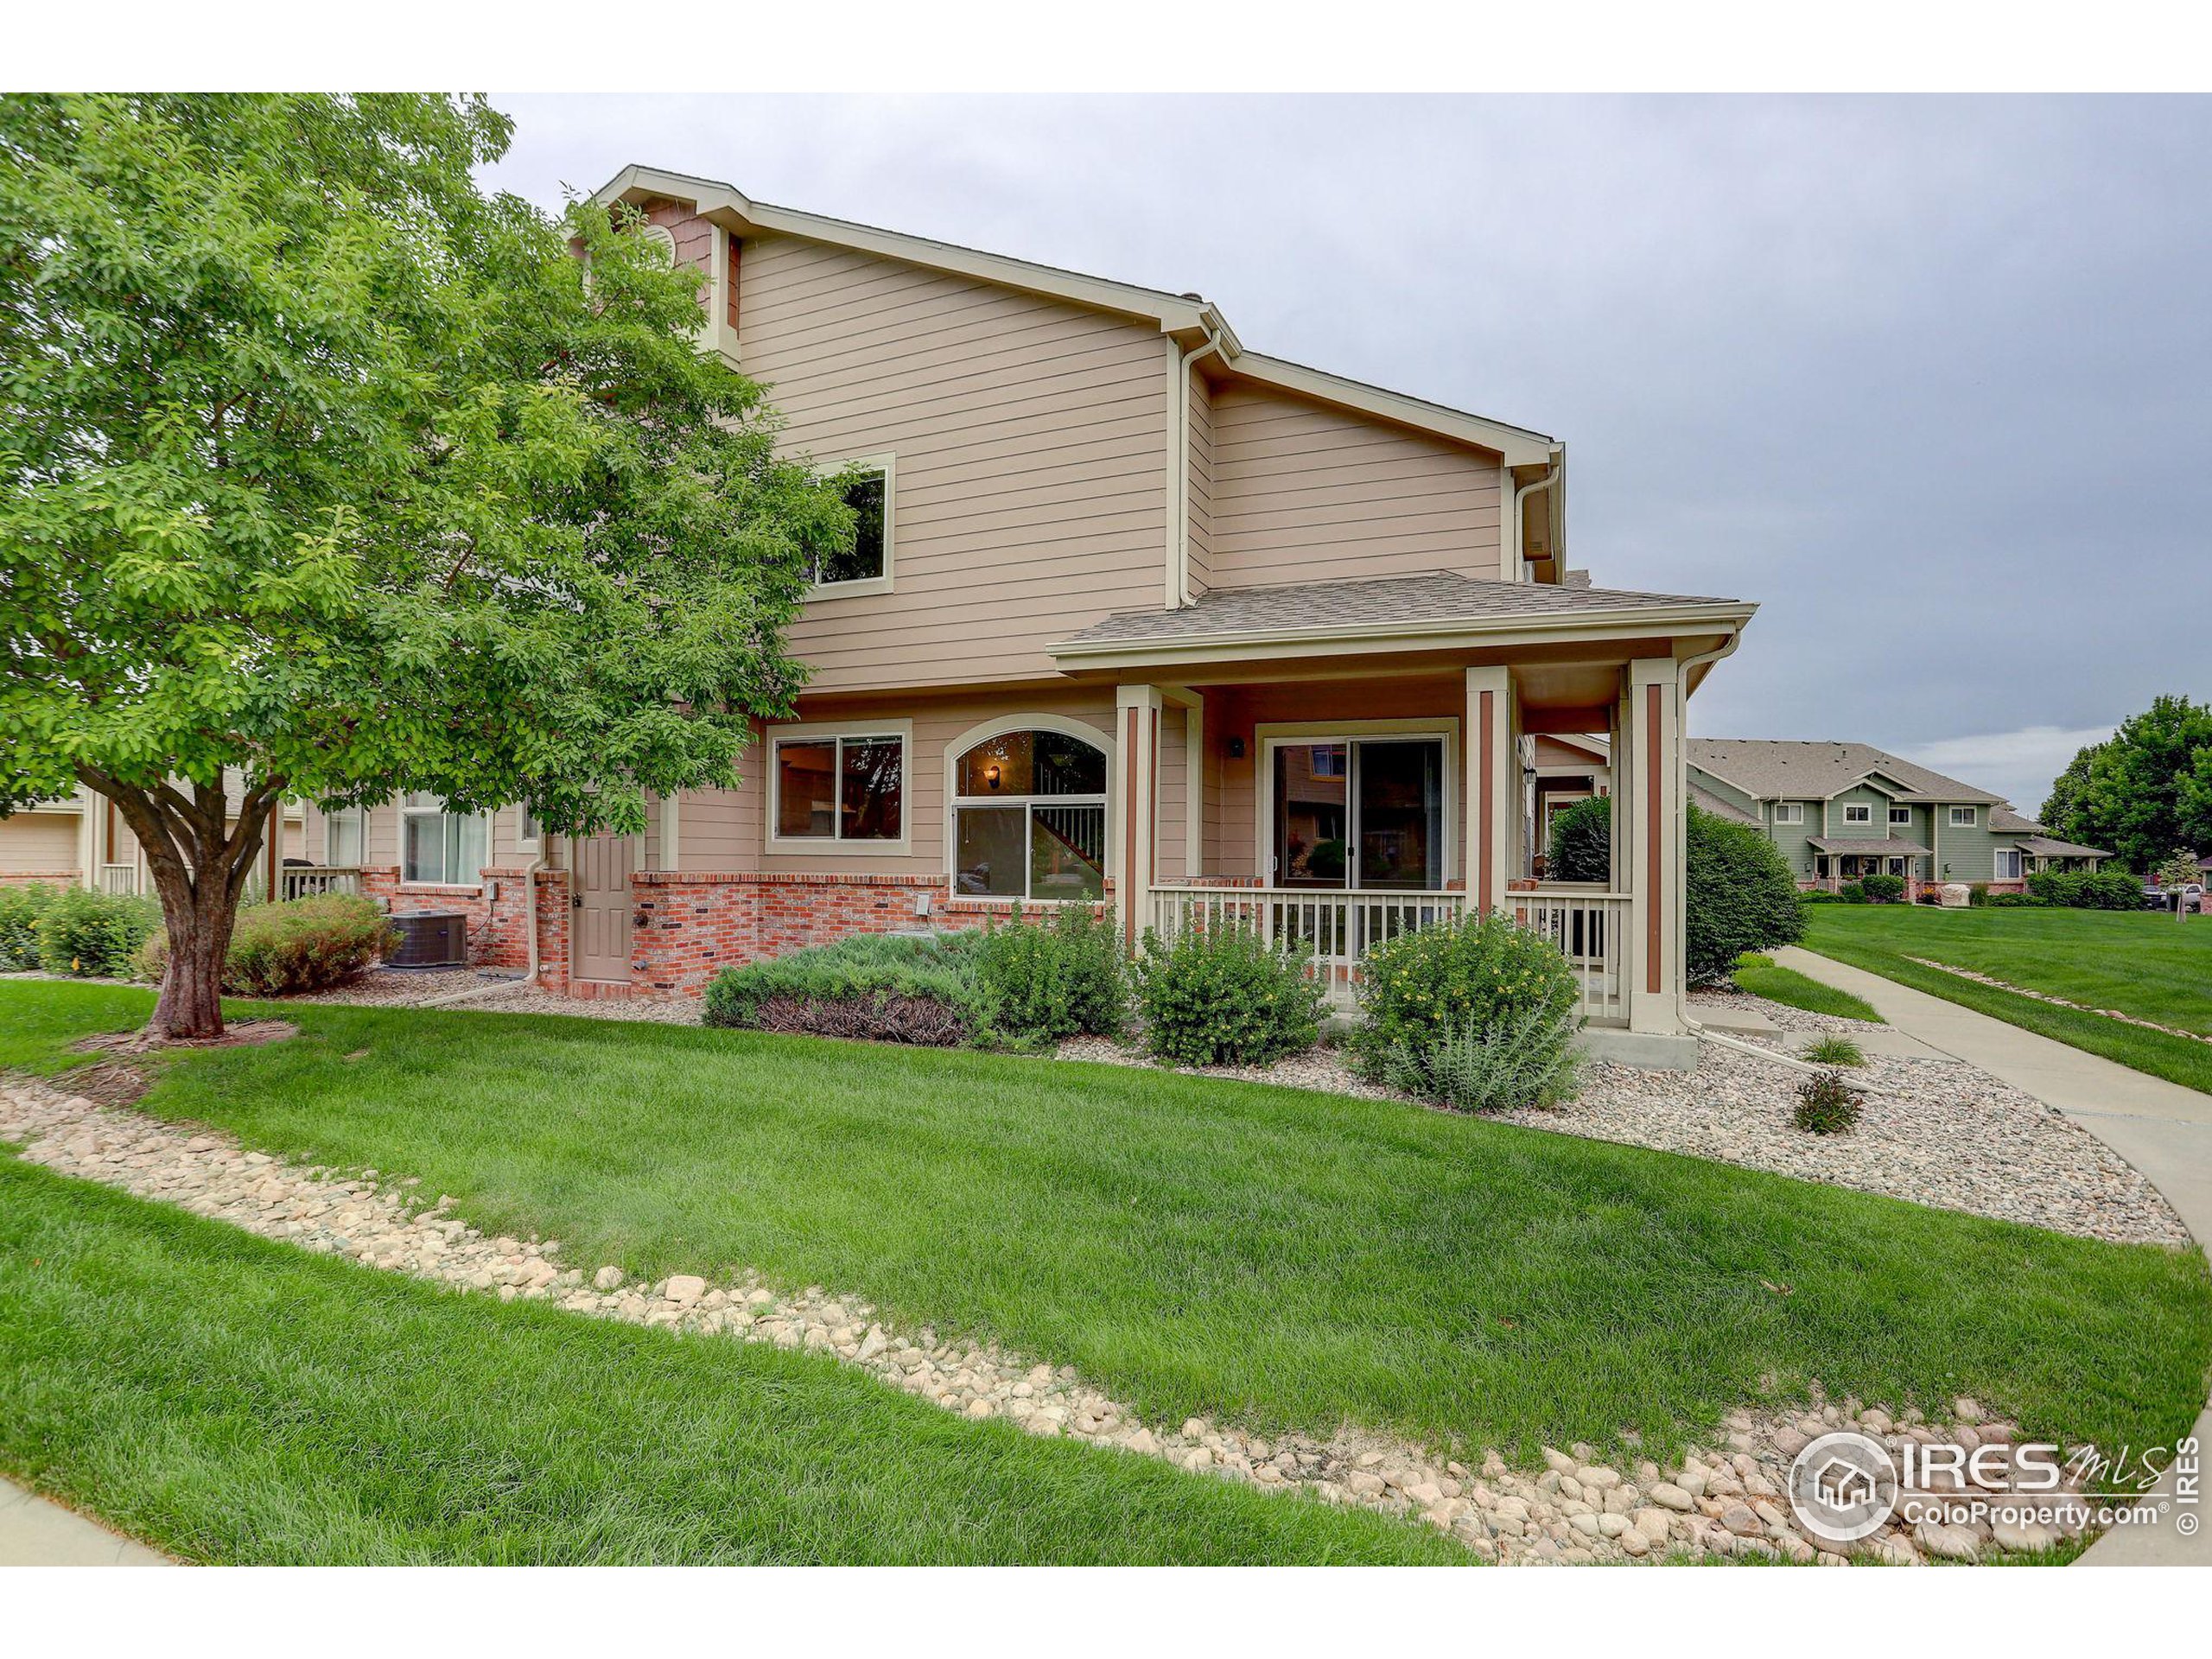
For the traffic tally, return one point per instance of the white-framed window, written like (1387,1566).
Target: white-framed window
(442,848)
(1790,812)
(529,836)
(1858,812)
(1901,814)
(871,490)
(2008,860)
(1028,806)
(1962,817)
(836,788)
(346,838)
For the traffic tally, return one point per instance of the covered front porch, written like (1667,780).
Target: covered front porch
(1334,803)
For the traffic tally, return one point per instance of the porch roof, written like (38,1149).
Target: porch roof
(1442,602)
(1891,848)
(2047,846)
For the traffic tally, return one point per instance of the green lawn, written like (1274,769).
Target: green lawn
(2142,964)
(1195,1246)
(1760,976)
(234,1400)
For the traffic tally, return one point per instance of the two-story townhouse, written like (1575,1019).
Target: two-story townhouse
(1838,811)
(1137,615)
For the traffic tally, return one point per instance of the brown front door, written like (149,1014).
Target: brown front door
(601,908)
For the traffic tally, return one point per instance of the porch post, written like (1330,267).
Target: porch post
(1652,808)
(92,819)
(1135,804)
(1491,792)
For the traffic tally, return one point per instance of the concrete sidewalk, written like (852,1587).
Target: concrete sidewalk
(36,1533)
(2162,1128)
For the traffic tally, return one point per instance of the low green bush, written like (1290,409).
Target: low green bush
(2087,889)
(20,910)
(901,988)
(94,935)
(1978,895)
(1827,1104)
(292,947)
(1883,889)
(1580,847)
(1037,982)
(1480,1015)
(1219,996)
(2015,901)
(1739,895)
(1852,892)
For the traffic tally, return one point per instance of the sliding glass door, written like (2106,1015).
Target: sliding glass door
(1362,812)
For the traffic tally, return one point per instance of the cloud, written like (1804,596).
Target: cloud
(2018,766)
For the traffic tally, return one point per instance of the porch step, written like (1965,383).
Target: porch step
(1647,1050)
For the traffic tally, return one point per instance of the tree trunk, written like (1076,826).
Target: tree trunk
(190,1004)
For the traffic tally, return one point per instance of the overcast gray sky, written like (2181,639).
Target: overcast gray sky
(1929,379)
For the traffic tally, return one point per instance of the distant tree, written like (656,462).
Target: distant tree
(321,469)
(2143,791)
(2178,870)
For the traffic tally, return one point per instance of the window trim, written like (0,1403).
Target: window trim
(1900,815)
(1867,807)
(1791,812)
(441,810)
(887,464)
(1971,821)
(834,845)
(1062,725)
(2019,864)
(360,817)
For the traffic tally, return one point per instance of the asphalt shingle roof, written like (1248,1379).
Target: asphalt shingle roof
(1441,597)
(1814,772)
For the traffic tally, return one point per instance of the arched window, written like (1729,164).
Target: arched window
(1029,814)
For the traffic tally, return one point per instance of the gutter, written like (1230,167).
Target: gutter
(1181,529)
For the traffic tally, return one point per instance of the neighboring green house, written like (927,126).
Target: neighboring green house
(1842,811)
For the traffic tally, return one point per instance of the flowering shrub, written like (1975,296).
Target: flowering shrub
(91,935)
(20,910)
(292,947)
(1219,996)
(1038,983)
(1481,1014)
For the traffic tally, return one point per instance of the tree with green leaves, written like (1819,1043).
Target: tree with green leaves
(2144,790)
(324,474)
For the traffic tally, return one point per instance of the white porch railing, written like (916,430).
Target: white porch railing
(1338,928)
(1590,927)
(118,878)
(298,881)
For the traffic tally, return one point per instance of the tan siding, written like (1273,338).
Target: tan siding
(1301,492)
(1029,441)
(1201,485)
(1171,854)
(44,841)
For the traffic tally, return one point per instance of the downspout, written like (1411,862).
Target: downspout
(1182,527)
(1520,496)
(530,899)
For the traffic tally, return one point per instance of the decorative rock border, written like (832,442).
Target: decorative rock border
(2060,1002)
(1728,1500)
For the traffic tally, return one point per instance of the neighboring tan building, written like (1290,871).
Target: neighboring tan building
(1842,811)
(80,840)
(1137,614)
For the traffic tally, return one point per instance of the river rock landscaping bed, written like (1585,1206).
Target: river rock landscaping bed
(1726,1500)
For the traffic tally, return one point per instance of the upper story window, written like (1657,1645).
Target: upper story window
(1029,816)
(1962,817)
(1790,812)
(1858,813)
(865,567)
(1900,815)
(435,845)
(834,789)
